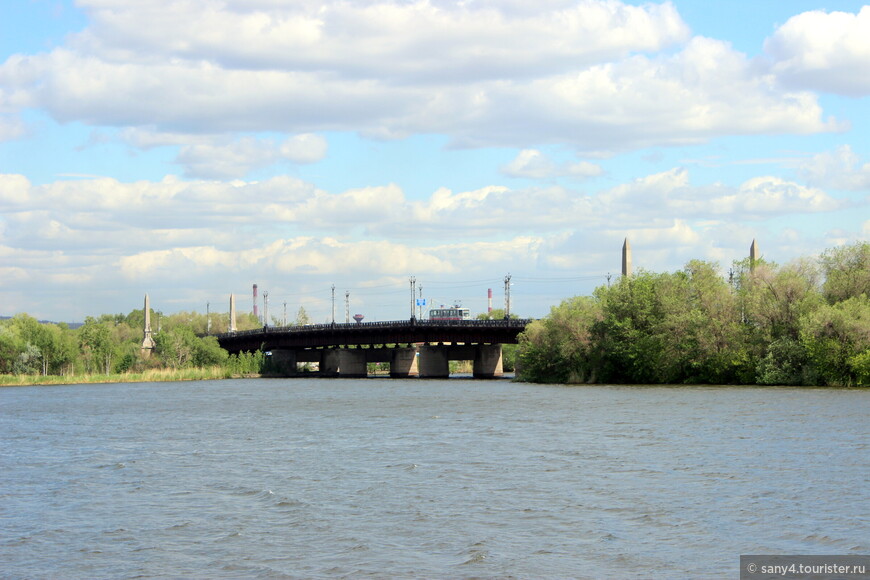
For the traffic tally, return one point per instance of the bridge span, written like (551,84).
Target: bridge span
(414,348)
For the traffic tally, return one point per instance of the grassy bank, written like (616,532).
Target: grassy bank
(149,376)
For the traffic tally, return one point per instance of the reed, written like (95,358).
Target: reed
(148,376)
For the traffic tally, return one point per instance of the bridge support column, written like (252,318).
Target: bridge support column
(403,362)
(487,361)
(352,363)
(284,362)
(433,362)
(329,362)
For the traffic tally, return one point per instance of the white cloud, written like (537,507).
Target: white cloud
(392,40)
(670,193)
(534,164)
(821,51)
(102,233)
(11,128)
(239,157)
(530,163)
(774,196)
(838,169)
(483,74)
(161,216)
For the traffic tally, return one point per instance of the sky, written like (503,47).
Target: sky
(190,149)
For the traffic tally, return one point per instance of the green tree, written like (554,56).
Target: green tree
(560,347)
(847,271)
(208,352)
(629,335)
(302,317)
(496,314)
(175,347)
(835,337)
(11,346)
(95,340)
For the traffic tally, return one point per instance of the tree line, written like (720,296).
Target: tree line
(804,323)
(111,344)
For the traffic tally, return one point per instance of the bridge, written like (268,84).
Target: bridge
(413,348)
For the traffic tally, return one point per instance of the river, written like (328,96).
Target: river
(390,478)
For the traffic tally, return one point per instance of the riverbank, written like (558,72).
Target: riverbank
(153,375)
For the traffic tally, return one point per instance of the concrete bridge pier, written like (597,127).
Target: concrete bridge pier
(329,362)
(284,361)
(352,363)
(433,362)
(403,362)
(487,362)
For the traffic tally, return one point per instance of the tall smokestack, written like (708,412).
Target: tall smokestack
(489,300)
(147,341)
(753,255)
(256,311)
(626,258)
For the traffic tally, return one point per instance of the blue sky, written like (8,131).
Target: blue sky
(192,149)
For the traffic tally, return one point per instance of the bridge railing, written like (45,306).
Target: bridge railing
(510,323)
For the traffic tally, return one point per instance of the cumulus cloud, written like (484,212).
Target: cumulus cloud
(102,213)
(239,157)
(838,169)
(533,164)
(828,52)
(123,235)
(326,256)
(392,40)
(671,193)
(11,128)
(482,73)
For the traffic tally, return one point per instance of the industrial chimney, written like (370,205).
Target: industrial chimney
(489,301)
(256,312)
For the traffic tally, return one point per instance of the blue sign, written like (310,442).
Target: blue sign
(421,302)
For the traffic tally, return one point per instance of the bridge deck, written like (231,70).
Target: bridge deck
(375,333)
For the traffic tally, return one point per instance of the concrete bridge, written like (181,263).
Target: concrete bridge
(414,348)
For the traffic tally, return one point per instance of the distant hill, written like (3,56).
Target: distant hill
(72,325)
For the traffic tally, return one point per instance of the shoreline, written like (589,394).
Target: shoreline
(217,373)
(153,376)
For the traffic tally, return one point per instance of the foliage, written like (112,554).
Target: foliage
(847,272)
(111,345)
(805,323)
(302,317)
(496,314)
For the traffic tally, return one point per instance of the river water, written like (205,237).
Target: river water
(389,478)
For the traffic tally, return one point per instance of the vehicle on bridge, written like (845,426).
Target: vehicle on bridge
(456,312)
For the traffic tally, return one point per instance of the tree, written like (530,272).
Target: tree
(302,317)
(836,337)
(774,298)
(208,352)
(560,347)
(496,314)
(629,333)
(175,347)
(10,347)
(95,339)
(847,271)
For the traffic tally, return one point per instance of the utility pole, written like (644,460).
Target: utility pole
(347,306)
(265,308)
(413,281)
(420,304)
(285,313)
(507,297)
(333,303)
(608,279)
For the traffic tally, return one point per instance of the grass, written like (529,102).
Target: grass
(148,376)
